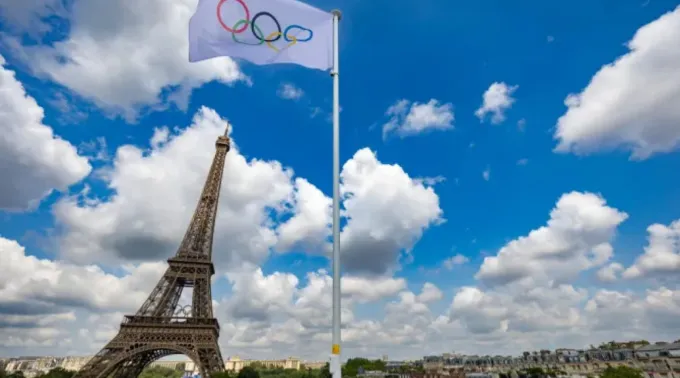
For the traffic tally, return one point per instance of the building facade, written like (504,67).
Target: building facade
(235,364)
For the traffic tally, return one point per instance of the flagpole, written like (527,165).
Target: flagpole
(335,365)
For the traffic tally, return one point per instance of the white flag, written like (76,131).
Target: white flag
(262,32)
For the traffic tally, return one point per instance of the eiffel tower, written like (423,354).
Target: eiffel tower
(161,327)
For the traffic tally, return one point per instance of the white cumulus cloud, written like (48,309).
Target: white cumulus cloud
(410,118)
(630,103)
(33,160)
(496,101)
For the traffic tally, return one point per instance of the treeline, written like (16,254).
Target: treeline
(153,372)
(610,372)
(350,369)
(161,372)
(54,373)
(621,345)
(354,365)
(261,372)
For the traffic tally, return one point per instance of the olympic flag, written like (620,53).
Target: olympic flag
(262,32)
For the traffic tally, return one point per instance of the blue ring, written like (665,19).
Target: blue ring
(262,37)
(285,33)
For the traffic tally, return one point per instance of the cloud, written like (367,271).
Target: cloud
(527,290)
(610,272)
(260,297)
(661,258)
(32,287)
(387,212)
(431,181)
(643,115)
(576,237)
(522,125)
(116,54)
(430,293)
(410,118)
(33,160)
(299,317)
(497,99)
(290,92)
(458,259)
(486,175)
(279,309)
(97,149)
(309,227)
(267,313)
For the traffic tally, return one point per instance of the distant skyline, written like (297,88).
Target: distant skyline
(508,177)
(380,357)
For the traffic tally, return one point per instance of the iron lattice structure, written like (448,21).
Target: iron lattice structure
(161,327)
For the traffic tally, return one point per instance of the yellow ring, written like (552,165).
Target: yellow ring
(275,34)
(270,37)
(294,41)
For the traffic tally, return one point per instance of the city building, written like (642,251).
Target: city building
(74,363)
(174,365)
(660,360)
(313,364)
(235,363)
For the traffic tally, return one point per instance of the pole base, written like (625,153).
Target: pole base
(335,366)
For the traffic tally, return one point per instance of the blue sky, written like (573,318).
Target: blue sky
(495,181)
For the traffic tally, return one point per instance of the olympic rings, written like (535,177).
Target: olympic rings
(246,23)
(182,311)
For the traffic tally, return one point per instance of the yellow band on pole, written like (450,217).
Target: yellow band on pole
(335,349)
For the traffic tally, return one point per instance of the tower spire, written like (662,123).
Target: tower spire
(197,241)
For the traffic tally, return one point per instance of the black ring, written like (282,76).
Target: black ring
(263,38)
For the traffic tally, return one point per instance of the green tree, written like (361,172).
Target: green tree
(326,371)
(158,372)
(248,372)
(352,366)
(58,373)
(608,346)
(535,372)
(621,372)
(220,374)
(16,374)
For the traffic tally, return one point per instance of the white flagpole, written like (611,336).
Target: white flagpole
(335,365)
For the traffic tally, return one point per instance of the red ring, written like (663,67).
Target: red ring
(245,25)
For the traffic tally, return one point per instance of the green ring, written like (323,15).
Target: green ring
(237,25)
